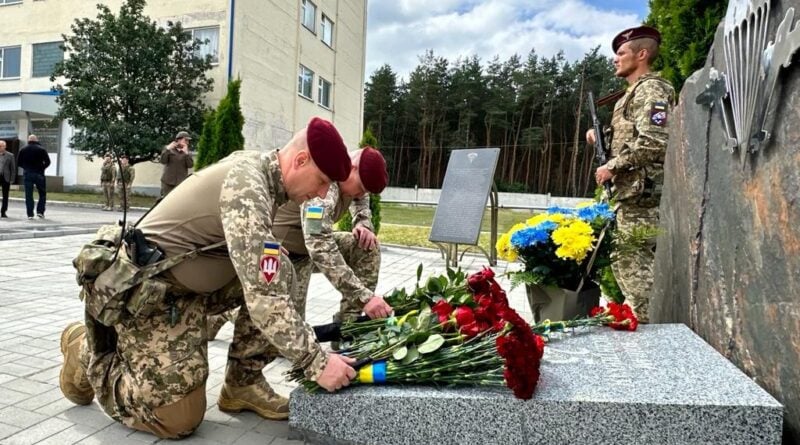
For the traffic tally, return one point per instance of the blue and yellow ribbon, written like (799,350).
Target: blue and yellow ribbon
(373,373)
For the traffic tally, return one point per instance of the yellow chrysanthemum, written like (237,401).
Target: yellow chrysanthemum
(585,204)
(504,248)
(542,217)
(574,240)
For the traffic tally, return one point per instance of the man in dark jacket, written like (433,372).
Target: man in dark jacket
(34,160)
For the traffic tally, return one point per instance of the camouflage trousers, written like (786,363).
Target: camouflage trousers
(364,263)
(634,270)
(124,200)
(108,194)
(149,373)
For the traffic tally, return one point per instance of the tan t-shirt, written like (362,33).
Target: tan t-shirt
(189,218)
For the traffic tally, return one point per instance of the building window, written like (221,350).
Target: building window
(324,93)
(305,80)
(327,30)
(48,132)
(209,42)
(45,58)
(309,15)
(9,62)
(9,2)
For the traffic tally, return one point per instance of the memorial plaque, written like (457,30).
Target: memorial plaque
(659,385)
(467,182)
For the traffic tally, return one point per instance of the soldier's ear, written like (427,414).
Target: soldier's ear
(301,159)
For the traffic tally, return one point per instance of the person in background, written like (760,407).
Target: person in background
(125,179)
(108,175)
(177,162)
(34,160)
(8,172)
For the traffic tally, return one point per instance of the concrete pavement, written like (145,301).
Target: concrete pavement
(38,298)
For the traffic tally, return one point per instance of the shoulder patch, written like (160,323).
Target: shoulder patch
(658,113)
(270,261)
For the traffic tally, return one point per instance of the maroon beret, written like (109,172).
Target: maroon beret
(640,32)
(372,170)
(327,149)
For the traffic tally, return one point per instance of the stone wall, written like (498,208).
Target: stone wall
(728,263)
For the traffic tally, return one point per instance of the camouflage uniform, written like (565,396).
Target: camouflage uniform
(108,175)
(353,271)
(638,148)
(149,371)
(126,176)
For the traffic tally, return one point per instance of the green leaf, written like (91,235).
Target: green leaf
(400,354)
(411,356)
(434,286)
(433,343)
(419,273)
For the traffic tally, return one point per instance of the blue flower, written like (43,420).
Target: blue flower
(594,211)
(562,210)
(531,236)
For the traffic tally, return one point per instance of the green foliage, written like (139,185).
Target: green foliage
(609,286)
(129,77)
(687,32)
(345,223)
(639,237)
(222,130)
(205,145)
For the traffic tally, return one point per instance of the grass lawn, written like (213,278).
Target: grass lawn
(401,224)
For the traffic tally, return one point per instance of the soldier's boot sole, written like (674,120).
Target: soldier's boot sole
(72,378)
(231,405)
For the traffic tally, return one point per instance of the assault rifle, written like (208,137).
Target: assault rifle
(599,144)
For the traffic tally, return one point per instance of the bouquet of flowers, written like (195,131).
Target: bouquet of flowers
(555,246)
(456,330)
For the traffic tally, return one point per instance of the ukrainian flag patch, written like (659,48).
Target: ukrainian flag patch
(314,212)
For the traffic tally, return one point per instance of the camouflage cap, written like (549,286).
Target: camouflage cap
(372,170)
(327,149)
(639,32)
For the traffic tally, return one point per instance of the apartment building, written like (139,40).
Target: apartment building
(296,59)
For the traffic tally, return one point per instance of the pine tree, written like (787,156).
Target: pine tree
(205,145)
(222,129)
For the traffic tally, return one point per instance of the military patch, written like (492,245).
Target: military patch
(314,220)
(270,261)
(658,114)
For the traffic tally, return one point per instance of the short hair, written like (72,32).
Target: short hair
(32,138)
(648,44)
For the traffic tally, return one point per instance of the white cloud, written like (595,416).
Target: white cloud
(398,32)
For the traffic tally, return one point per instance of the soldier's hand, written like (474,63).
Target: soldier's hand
(365,238)
(590,136)
(602,174)
(337,373)
(377,307)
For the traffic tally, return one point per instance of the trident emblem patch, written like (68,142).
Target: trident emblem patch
(270,261)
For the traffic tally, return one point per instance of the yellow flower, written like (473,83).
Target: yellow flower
(504,248)
(542,217)
(584,204)
(574,239)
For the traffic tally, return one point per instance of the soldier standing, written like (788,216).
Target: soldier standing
(638,147)
(149,369)
(349,260)
(108,175)
(125,179)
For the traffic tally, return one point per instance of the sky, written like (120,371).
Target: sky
(399,31)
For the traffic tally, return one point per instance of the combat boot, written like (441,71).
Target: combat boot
(72,380)
(259,398)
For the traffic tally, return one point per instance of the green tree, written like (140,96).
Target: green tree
(345,223)
(132,79)
(222,129)
(206,150)
(687,30)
